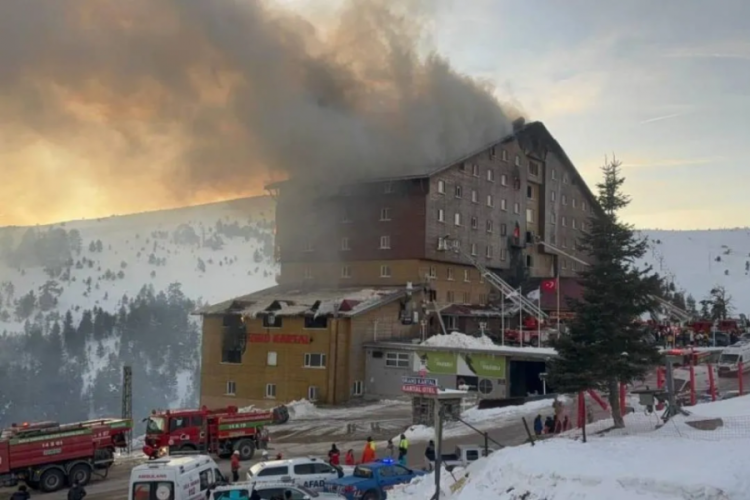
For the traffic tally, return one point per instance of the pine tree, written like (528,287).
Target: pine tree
(605,345)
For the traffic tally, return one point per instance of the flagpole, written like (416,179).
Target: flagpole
(520,316)
(502,317)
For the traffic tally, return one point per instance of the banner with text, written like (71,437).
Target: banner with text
(440,363)
(485,365)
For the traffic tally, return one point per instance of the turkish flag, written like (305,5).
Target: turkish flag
(549,285)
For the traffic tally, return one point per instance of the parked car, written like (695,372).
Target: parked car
(464,455)
(267,491)
(309,472)
(372,481)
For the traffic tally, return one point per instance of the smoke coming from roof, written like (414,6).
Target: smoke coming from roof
(124,105)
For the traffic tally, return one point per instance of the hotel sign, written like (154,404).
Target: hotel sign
(415,385)
(282,338)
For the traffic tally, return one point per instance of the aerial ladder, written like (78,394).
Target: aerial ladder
(516,297)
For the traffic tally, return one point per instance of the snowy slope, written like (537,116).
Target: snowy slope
(155,248)
(699,260)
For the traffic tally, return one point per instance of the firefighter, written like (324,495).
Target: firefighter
(368,453)
(235,466)
(76,492)
(403,448)
(21,494)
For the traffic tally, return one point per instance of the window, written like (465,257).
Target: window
(504,180)
(488,251)
(385,242)
(272,358)
(458,191)
(564,221)
(583,206)
(385,214)
(231,388)
(489,226)
(573,202)
(518,161)
(388,187)
(270,390)
(474,223)
(457,219)
(553,196)
(309,246)
(533,168)
(358,388)
(234,334)
(552,218)
(345,243)
(564,200)
(564,264)
(573,223)
(272,321)
(274,471)
(346,272)
(503,229)
(565,243)
(450,297)
(475,170)
(565,178)
(529,192)
(385,271)
(493,152)
(441,187)
(316,322)
(552,238)
(529,216)
(473,249)
(308,273)
(554,174)
(147,490)
(529,261)
(315,360)
(441,215)
(503,204)
(490,175)
(503,254)
(504,155)
(474,196)
(206,479)
(397,360)
(312,393)
(432,272)
(449,274)
(462,166)
(346,217)
(304,469)
(490,201)
(516,208)
(466,275)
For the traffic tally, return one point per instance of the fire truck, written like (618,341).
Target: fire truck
(220,431)
(49,456)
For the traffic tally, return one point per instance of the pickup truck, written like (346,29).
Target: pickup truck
(372,481)
(463,456)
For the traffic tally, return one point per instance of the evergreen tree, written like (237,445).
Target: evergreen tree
(605,345)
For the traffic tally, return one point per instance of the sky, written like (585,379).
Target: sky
(664,86)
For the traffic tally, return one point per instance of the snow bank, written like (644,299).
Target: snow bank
(459,340)
(477,417)
(734,407)
(306,410)
(424,486)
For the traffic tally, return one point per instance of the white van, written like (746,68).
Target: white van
(702,380)
(175,478)
(729,361)
(308,472)
(269,491)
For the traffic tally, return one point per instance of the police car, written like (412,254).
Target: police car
(308,472)
(270,491)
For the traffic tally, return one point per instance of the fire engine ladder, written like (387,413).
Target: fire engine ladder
(431,306)
(515,296)
(677,312)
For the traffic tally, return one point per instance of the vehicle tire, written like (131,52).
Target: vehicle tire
(80,473)
(52,480)
(371,495)
(246,448)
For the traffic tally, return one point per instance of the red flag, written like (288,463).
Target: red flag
(549,285)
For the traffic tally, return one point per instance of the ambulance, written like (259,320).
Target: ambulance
(175,478)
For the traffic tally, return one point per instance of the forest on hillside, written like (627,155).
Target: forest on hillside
(65,370)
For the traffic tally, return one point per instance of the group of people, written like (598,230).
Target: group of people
(76,492)
(369,453)
(551,425)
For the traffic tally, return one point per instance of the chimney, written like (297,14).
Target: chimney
(518,124)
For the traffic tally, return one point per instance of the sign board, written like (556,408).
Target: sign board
(416,385)
(267,338)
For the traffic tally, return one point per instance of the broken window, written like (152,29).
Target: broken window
(234,339)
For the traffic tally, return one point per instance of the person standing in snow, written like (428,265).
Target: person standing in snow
(549,425)
(429,455)
(235,466)
(538,425)
(334,456)
(390,449)
(368,453)
(403,448)
(349,458)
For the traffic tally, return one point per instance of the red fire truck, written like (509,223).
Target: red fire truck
(220,431)
(47,455)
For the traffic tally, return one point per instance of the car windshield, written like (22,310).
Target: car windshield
(729,359)
(233,494)
(155,425)
(364,472)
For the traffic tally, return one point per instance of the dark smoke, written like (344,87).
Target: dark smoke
(185,100)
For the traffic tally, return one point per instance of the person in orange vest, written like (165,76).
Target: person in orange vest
(235,465)
(349,458)
(368,454)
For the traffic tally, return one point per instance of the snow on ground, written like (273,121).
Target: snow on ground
(671,462)
(483,419)
(457,340)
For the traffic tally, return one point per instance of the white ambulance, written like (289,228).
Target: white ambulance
(175,478)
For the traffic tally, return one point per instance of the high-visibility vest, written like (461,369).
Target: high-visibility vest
(372,445)
(404,443)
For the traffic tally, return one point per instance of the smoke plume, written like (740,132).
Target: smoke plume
(112,105)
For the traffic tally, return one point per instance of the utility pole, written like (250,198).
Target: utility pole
(439,448)
(127,400)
